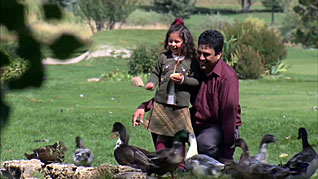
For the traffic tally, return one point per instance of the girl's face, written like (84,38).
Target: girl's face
(175,43)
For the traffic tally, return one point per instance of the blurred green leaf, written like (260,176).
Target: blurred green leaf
(4,59)
(65,45)
(299,9)
(4,112)
(52,11)
(29,48)
(305,2)
(12,15)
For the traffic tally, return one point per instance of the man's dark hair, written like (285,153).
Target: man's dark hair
(212,39)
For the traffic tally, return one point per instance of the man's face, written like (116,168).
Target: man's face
(207,58)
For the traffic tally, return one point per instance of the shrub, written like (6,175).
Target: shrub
(249,65)
(289,26)
(143,59)
(141,17)
(17,65)
(267,42)
(307,32)
(115,75)
(263,39)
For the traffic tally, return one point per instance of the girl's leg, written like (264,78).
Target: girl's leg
(166,142)
(163,142)
(154,138)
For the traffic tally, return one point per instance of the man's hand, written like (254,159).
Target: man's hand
(138,117)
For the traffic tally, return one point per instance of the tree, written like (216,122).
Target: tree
(246,4)
(273,5)
(178,8)
(105,13)
(29,48)
(307,33)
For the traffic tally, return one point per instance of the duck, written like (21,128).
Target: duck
(49,154)
(82,156)
(129,155)
(304,163)
(262,156)
(201,164)
(169,159)
(251,168)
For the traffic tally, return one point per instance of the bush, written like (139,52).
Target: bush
(141,17)
(267,42)
(290,23)
(143,59)
(249,65)
(259,37)
(17,65)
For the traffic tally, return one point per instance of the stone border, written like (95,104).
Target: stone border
(36,169)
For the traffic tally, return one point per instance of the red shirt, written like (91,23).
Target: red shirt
(217,102)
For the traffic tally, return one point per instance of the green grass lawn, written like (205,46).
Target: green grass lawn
(131,38)
(57,112)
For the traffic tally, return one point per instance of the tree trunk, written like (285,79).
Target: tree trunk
(91,26)
(248,6)
(243,5)
(273,16)
(99,26)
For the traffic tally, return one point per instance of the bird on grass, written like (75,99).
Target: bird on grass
(169,159)
(251,168)
(262,156)
(304,163)
(82,156)
(129,155)
(49,154)
(201,164)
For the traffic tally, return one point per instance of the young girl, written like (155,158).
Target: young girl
(176,75)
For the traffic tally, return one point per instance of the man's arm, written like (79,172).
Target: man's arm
(138,116)
(229,98)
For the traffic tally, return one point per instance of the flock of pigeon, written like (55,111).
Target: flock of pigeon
(302,165)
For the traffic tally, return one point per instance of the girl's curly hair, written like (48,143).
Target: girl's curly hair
(188,47)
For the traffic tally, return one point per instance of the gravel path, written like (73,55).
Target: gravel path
(102,52)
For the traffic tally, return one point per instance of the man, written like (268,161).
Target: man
(216,110)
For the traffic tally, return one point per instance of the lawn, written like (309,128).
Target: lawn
(56,111)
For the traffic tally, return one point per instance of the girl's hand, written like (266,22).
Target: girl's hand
(177,78)
(150,86)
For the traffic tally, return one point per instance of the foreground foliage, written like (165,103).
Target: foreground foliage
(29,48)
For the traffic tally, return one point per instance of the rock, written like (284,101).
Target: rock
(36,169)
(68,171)
(22,168)
(137,81)
(131,175)
(93,79)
